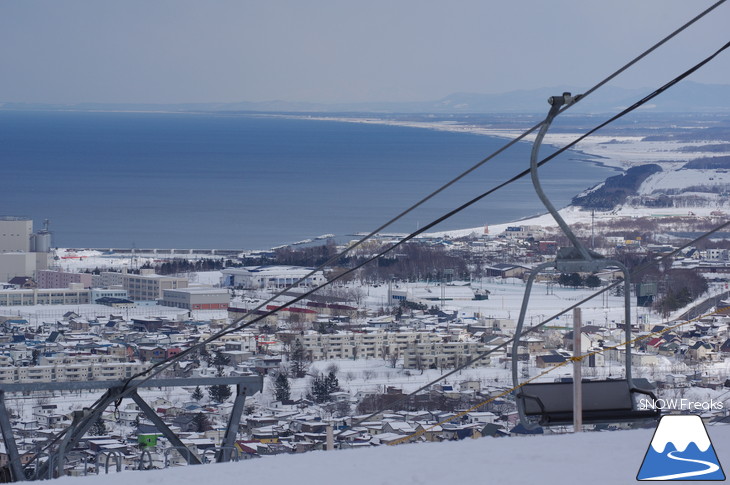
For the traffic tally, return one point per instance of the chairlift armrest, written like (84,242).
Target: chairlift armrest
(534,398)
(643,391)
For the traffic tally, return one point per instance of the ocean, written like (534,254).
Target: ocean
(235,181)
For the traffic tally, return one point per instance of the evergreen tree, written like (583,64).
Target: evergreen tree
(564,279)
(204,355)
(332,383)
(593,281)
(98,428)
(575,280)
(282,391)
(298,362)
(201,423)
(220,361)
(322,387)
(220,392)
(197,394)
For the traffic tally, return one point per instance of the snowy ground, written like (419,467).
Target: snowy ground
(78,260)
(375,375)
(506,295)
(682,179)
(596,458)
(505,300)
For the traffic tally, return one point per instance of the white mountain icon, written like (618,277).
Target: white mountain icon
(680,431)
(680,450)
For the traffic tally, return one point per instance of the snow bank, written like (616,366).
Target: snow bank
(596,458)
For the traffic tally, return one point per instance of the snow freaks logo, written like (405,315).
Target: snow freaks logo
(680,450)
(680,404)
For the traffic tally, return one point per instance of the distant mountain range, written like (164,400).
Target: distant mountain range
(685,97)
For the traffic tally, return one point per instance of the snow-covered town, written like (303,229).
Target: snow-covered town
(405,355)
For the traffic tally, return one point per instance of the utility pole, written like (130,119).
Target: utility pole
(577,374)
(593,219)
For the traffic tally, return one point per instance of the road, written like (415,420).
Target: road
(703,306)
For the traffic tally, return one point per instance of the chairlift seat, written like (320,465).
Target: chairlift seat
(603,402)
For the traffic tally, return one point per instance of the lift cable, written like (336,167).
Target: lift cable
(131,383)
(236,325)
(508,145)
(155,369)
(552,368)
(636,272)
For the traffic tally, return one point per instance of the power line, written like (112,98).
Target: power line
(477,165)
(159,367)
(554,367)
(412,235)
(234,326)
(637,271)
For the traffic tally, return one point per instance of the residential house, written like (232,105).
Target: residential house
(700,351)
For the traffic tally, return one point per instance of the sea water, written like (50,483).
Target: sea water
(242,181)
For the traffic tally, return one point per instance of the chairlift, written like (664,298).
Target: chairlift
(603,401)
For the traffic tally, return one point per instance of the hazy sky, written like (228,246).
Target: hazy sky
(337,50)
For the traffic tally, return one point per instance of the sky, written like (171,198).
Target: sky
(176,51)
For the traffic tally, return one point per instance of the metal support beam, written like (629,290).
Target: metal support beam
(75,433)
(78,416)
(518,334)
(116,390)
(10,446)
(163,428)
(233,422)
(253,383)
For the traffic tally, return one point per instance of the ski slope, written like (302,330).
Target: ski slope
(596,458)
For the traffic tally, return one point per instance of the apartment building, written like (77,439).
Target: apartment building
(350,345)
(145,286)
(444,355)
(61,279)
(110,371)
(150,286)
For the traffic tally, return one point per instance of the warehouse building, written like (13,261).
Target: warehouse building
(198,298)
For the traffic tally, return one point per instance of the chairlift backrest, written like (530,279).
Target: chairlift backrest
(603,402)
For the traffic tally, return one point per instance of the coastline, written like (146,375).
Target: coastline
(614,152)
(617,152)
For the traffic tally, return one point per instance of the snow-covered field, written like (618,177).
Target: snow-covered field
(505,299)
(683,179)
(596,458)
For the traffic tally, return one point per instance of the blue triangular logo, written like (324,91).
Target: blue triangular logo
(681,450)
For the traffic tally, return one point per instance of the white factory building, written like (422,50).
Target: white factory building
(257,277)
(22,252)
